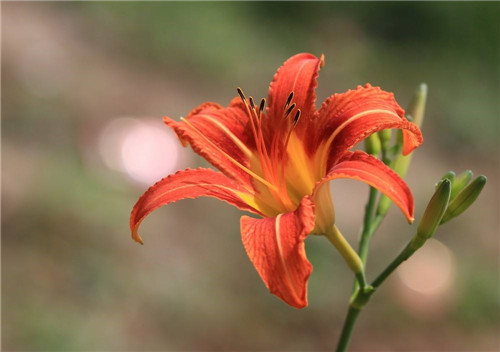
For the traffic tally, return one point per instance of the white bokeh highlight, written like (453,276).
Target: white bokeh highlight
(424,283)
(145,149)
(430,270)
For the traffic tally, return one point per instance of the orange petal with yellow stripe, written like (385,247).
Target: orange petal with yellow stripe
(187,184)
(220,135)
(365,168)
(298,75)
(276,248)
(348,118)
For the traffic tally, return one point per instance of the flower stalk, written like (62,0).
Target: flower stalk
(350,256)
(375,213)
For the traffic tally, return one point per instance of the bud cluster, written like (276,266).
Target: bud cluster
(453,195)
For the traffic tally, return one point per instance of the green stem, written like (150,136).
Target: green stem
(370,225)
(362,292)
(376,223)
(366,232)
(361,280)
(347,329)
(362,295)
(350,256)
(406,253)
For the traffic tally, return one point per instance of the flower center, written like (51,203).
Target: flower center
(280,159)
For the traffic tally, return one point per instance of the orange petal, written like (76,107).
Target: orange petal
(346,119)
(276,248)
(187,184)
(363,167)
(297,74)
(220,135)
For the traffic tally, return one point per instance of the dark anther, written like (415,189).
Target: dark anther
(288,100)
(251,103)
(242,96)
(289,110)
(262,103)
(296,117)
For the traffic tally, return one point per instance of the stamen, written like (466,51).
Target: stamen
(296,117)
(270,169)
(242,96)
(290,109)
(234,161)
(258,137)
(261,106)
(251,103)
(288,100)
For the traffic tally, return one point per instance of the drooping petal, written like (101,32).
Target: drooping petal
(297,74)
(221,135)
(187,184)
(276,248)
(346,119)
(363,167)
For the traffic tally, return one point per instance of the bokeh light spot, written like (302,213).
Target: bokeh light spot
(430,269)
(424,282)
(145,149)
(149,153)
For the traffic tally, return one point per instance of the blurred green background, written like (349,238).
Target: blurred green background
(84,87)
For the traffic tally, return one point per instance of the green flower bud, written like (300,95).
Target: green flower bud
(416,108)
(435,210)
(465,199)
(372,144)
(383,205)
(398,146)
(450,175)
(385,137)
(460,182)
(401,163)
(433,214)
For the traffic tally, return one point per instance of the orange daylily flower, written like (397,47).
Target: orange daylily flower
(276,162)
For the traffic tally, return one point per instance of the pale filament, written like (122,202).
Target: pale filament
(273,163)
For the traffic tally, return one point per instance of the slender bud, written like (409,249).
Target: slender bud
(372,144)
(385,139)
(400,164)
(399,140)
(450,175)
(460,182)
(416,108)
(433,214)
(383,205)
(465,199)
(435,210)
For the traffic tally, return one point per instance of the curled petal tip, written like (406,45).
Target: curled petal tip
(322,60)
(136,237)
(300,305)
(411,220)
